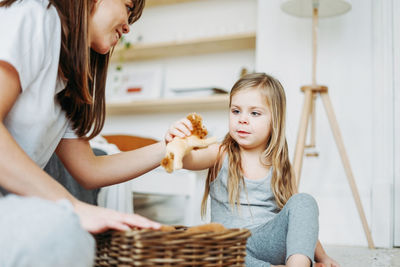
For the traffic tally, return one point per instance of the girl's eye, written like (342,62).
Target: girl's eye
(235,111)
(255,113)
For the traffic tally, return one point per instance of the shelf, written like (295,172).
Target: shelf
(152,3)
(189,104)
(185,48)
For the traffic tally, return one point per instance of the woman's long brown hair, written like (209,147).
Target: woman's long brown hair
(276,154)
(84,69)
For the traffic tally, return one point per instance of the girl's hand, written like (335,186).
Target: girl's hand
(326,261)
(96,219)
(181,128)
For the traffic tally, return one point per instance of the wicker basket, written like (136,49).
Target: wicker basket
(175,248)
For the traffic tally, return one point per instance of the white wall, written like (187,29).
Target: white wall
(348,51)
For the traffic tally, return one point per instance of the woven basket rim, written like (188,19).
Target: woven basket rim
(148,247)
(178,233)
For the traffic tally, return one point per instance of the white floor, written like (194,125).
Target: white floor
(362,257)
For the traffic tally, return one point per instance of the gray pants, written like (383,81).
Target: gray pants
(294,230)
(37,232)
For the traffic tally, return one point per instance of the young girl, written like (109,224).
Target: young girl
(54,56)
(251,182)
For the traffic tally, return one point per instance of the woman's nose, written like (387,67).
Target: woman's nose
(125,29)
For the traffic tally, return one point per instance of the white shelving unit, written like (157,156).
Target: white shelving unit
(214,102)
(199,46)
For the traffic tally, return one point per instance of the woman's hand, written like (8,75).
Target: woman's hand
(326,261)
(96,219)
(181,128)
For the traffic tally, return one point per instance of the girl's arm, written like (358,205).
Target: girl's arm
(202,158)
(93,171)
(20,175)
(322,257)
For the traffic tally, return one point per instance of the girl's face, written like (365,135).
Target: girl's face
(108,21)
(250,119)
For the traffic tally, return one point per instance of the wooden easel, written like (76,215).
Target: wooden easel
(311,92)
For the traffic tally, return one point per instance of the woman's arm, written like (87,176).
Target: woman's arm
(93,171)
(20,175)
(321,257)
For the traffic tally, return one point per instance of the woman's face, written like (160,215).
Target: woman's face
(108,21)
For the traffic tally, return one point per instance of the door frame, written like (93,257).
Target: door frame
(385,224)
(396,71)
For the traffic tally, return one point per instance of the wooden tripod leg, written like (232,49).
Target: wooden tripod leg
(346,163)
(313,121)
(301,137)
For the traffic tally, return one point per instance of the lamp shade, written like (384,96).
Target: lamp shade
(326,8)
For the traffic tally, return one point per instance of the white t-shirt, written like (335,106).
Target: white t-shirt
(30,41)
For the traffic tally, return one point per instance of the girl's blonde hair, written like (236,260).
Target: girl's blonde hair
(275,154)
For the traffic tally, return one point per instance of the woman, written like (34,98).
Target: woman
(54,56)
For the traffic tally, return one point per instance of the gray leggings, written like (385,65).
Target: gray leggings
(294,230)
(37,232)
